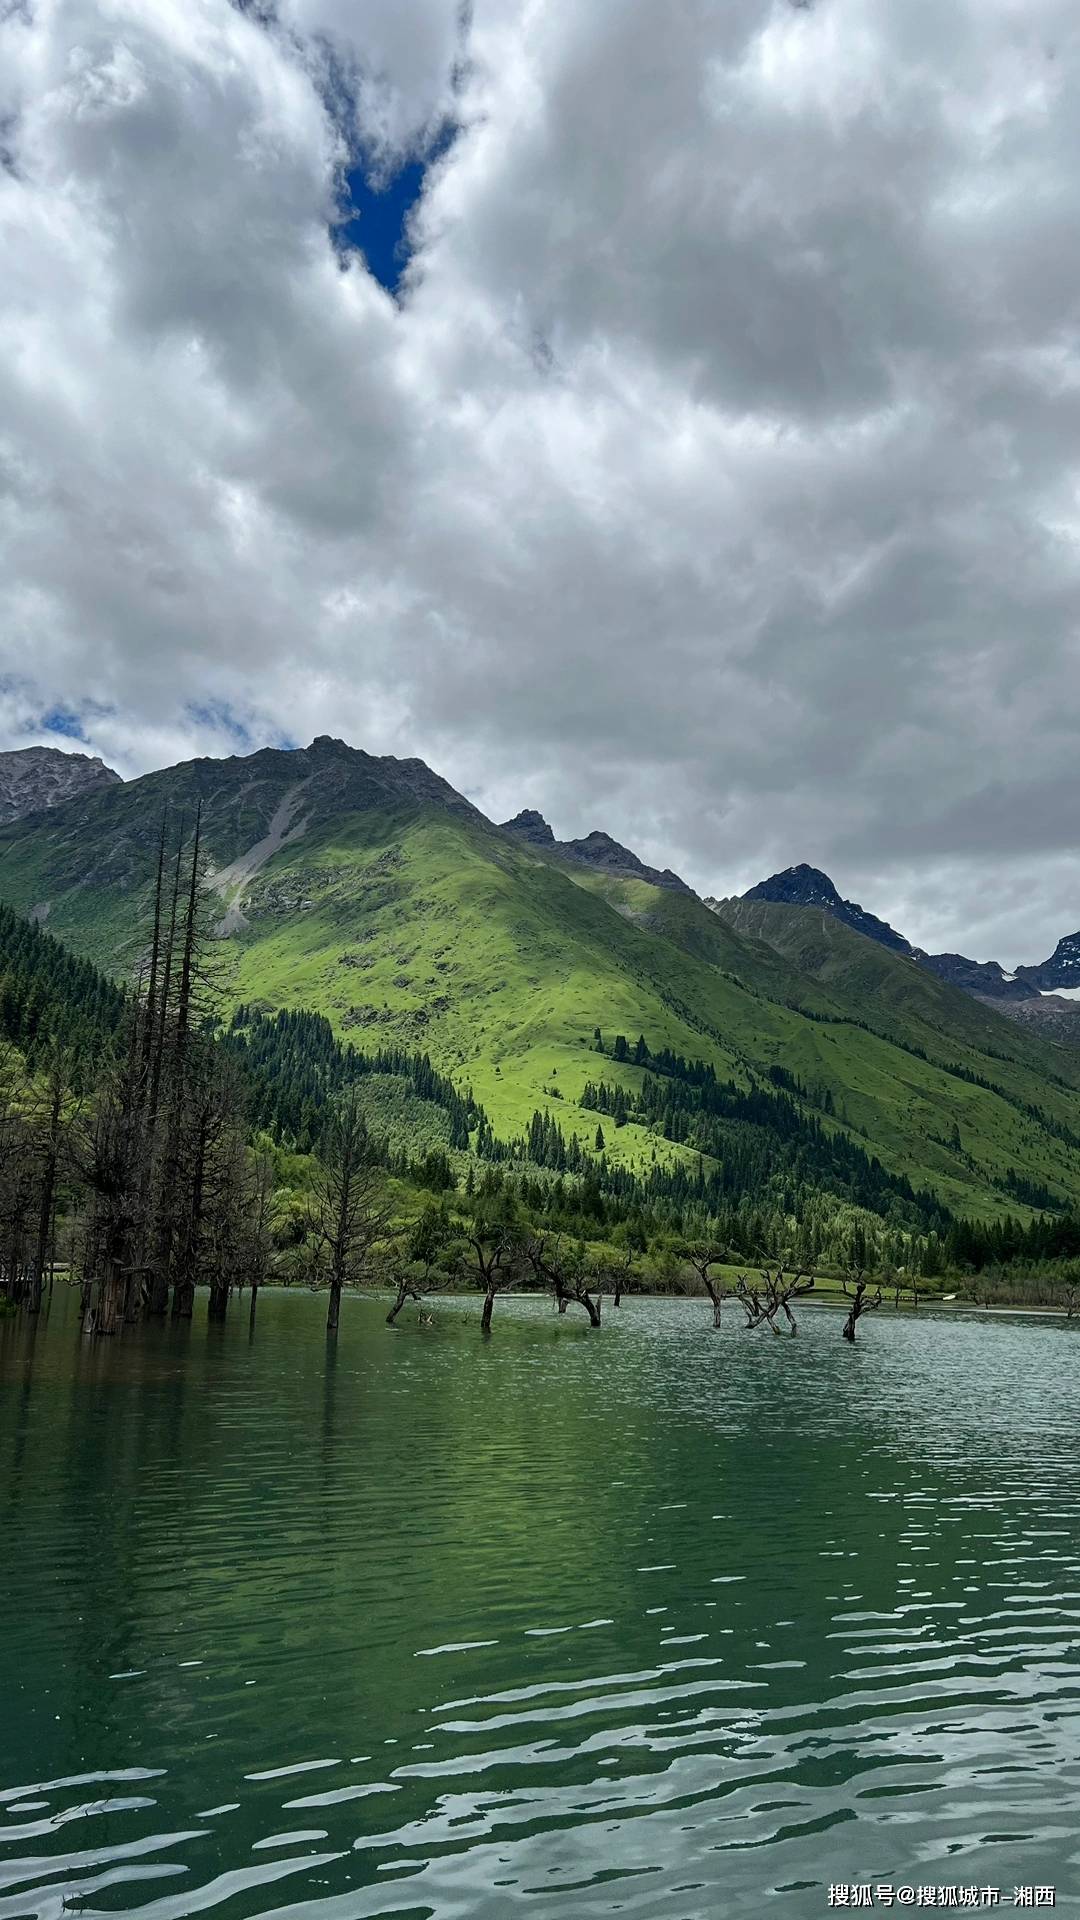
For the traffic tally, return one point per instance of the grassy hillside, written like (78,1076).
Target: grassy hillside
(369,891)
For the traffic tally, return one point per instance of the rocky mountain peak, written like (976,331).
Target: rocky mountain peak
(33,779)
(595,849)
(799,886)
(531,826)
(1061,970)
(986,979)
(806,886)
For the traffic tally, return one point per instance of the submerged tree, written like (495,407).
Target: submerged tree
(855,1285)
(50,1141)
(350,1214)
(16,1178)
(164,1156)
(431,1254)
(703,1255)
(111,1164)
(620,1273)
(778,1289)
(565,1270)
(493,1240)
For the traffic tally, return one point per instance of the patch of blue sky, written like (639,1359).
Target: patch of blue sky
(66,721)
(376,208)
(219,715)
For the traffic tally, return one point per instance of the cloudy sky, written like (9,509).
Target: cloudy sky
(703,465)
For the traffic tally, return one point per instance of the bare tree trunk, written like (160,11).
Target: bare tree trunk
(254,1304)
(132,1291)
(333,1311)
(157,1292)
(404,1292)
(183,1305)
(46,1210)
(717,1301)
(184,1285)
(859,1305)
(107,1315)
(489,1303)
(183,1290)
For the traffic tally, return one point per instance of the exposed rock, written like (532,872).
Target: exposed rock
(600,850)
(984,978)
(531,826)
(595,850)
(1061,970)
(1026,993)
(805,886)
(33,779)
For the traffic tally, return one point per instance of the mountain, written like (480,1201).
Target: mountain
(1062,970)
(1025,994)
(367,890)
(804,886)
(595,850)
(33,778)
(984,978)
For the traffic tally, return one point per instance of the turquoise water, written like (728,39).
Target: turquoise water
(646,1622)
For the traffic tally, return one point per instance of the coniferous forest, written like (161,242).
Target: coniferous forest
(150,1147)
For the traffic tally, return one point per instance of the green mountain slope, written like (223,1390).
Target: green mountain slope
(898,996)
(368,890)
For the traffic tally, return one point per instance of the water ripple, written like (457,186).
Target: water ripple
(648,1624)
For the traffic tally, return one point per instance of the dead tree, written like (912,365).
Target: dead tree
(786,1287)
(620,1277)
(350,1216)
(150,1002)
(902,1281)
(111,1169)
(49,1146)
(855,1285)
(564,1273)
(260,1198)
(703,1255)
(778,1289)
(169,1074)
(17,1178)
(426,1251)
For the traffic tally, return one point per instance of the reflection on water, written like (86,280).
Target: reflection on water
(645,1622)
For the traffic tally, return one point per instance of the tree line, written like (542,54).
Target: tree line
(153,1149)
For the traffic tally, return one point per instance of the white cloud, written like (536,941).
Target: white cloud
(715,480)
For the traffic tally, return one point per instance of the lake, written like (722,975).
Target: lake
(648,1622)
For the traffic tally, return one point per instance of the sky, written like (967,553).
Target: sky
(693,451)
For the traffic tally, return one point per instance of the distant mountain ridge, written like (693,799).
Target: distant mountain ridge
(35,778)
(1061,970)
(368,890)
(805,886)
(331,776)
(984,978)
(594,850)
(1027,992)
